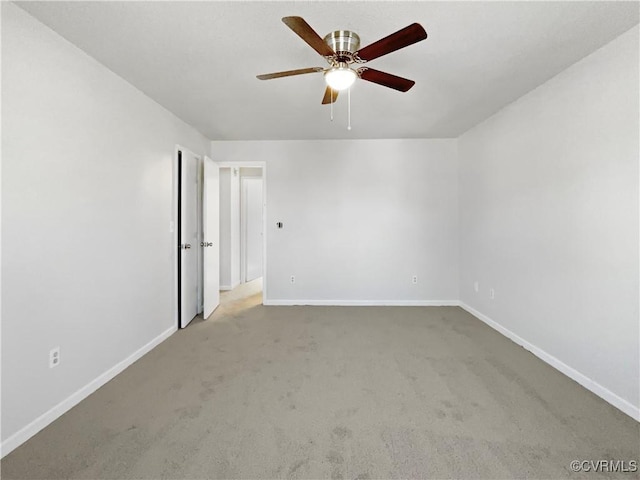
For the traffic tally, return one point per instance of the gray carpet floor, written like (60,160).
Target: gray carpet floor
(332,392)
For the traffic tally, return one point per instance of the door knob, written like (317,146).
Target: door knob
(208,244)
(185,246)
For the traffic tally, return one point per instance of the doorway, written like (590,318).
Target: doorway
(243,213)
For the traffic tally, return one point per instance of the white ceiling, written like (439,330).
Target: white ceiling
(200,59)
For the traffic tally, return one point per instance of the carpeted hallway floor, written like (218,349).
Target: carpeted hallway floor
(332,392)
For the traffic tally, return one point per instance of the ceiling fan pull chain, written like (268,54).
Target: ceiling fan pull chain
(332,104)
(349,108)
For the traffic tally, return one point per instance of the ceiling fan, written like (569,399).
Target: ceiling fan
(341,49)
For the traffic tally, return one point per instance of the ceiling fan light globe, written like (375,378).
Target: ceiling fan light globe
(340,78)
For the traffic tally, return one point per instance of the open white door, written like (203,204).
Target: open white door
(211,236)
(188,168)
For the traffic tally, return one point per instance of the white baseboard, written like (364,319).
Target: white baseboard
(365,303)
(48,417)
(607,395)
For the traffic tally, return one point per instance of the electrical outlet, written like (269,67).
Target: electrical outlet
(293,279)
(414,280)
(54,357)
(476,286)
(492,293)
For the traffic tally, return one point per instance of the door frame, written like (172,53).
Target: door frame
(174,229)
(243,228)
(263,165)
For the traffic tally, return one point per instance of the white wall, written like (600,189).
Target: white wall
(361,217)
(549,219)
(235,228)
(229,228)
(87,200)
(225,228)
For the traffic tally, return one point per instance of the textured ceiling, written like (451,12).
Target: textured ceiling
(200,59)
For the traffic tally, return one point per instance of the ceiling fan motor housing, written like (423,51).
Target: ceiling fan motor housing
(343,42)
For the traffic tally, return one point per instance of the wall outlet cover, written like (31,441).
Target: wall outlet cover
(54,357)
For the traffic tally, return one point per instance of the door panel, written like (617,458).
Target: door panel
(188,237)
(252,208)
(211,236)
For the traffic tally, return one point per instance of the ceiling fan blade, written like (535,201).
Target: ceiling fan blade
(386,79)
(289,73)
(402,38)
(330,96)
(308,34)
